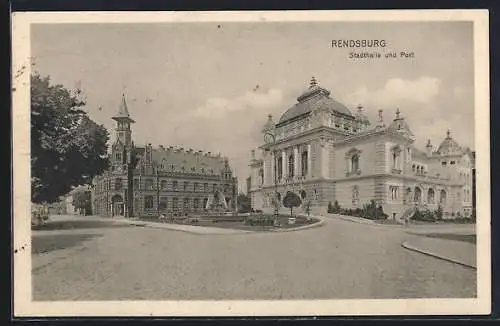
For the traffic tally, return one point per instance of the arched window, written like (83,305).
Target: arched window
(396,157)
(261,176)
(355,195)
(442,197)
(280,168)
(304,163)
(186,204)
(394,192)
(163,184)
(413,167)
(418,195)
(352,161)
(175,203)
(431,196)
(355,163)
(291,165)
(303,194)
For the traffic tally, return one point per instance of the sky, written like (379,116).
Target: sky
(210,86)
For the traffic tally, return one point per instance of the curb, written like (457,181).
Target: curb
(408,246)
(233,232)
(304,227)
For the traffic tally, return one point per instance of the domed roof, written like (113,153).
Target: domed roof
(313,98)
(448,145)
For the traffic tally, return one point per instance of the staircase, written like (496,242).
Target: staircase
(408,213)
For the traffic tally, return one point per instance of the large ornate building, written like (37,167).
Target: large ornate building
(147,181)
(326,153)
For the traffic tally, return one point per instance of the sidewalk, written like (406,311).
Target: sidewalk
(458,252)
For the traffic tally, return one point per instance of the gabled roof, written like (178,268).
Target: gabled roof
(188,161)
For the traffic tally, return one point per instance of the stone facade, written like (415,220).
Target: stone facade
(148,181)
(325,153)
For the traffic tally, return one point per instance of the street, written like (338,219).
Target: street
(87,258)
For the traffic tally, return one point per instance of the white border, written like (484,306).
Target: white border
(24,306)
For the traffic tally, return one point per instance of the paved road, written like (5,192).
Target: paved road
(341,260)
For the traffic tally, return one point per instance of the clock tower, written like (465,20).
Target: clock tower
(122,147)
(122,158)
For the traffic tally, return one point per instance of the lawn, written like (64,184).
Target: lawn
(238,222)
(470,238)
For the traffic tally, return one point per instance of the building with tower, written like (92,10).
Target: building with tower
(149,181)
(325,152)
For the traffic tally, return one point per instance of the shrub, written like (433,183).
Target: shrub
(330,207)
(424,216)
(438,213)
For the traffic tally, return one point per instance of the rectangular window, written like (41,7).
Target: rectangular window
(186,204)
(136,183)
(163,203)
(175,185)
(148,202)
(195,186)
(185,186)
(175,204)
(452,162)
(443,163)
(118,183)
(205,187)
(149,184)
(163,184)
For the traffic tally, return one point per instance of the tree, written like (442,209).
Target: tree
(291,200)
(67,147)
(244,204)
(81,201)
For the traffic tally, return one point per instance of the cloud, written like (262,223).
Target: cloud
(217,108)
(397,92)
(422,102)
(231,126)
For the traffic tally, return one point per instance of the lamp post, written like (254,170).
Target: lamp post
(270,139)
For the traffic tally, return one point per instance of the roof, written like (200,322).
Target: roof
(122,111)
(188,161)
(314,98)
(399,125)
(449,145)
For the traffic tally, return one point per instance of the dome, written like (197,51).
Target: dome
(448,145)
(315,97)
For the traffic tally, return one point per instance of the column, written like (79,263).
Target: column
(284,164)
(273,167)
(309,161)
(295,153)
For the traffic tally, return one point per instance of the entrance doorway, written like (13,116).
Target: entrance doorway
(117,208)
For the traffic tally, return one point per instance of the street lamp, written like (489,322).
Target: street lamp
(270,139)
